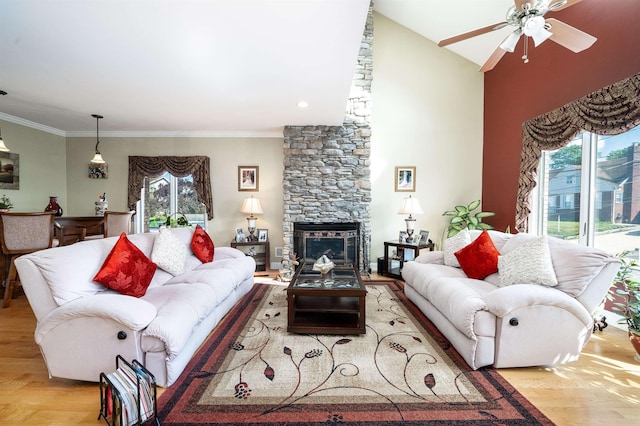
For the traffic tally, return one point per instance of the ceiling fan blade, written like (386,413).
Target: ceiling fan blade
(570,37)
(493,60)
(471,34)
(569,3)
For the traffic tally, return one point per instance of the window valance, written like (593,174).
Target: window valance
(152,167)
(612,110)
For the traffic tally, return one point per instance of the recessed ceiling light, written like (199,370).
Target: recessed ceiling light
(303,104)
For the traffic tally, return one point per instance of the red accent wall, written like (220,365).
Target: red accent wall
(516,92)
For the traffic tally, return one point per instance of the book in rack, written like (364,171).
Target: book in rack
(128,395)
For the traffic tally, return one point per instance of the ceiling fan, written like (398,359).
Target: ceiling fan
(527,16)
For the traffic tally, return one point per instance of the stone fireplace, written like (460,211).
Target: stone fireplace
(326,177)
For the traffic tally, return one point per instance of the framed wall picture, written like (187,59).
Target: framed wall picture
(248,178)
(98,170)
(9,170)
(263,235)
(405,179)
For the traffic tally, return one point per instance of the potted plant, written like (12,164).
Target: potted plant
(464,217)
(625,294)
(5,203)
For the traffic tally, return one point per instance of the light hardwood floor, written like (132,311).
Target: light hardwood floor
(602,387)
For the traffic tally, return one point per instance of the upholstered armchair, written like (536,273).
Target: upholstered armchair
(22,233)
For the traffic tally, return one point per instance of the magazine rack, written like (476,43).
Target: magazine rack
(128,395)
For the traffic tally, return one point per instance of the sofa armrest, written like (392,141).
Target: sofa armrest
(436,257)
(502,301)
(133,313)
(227,253)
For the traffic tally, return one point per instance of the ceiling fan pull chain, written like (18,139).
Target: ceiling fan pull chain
(525,57)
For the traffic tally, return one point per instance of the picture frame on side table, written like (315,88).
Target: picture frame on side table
(263,235)
(405,179)
(240,236)
(248,178)
(402,236)
(424,237)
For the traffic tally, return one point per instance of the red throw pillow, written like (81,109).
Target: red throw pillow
(480,258)
(202,246)
(126,269)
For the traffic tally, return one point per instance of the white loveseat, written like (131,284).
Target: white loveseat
(82,325)
(514,322)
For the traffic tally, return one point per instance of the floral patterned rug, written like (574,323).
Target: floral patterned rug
(251,371)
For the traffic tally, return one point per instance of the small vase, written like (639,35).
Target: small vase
(53,206)
(635,342)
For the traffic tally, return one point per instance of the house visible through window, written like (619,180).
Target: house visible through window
(598,180)
(170,200)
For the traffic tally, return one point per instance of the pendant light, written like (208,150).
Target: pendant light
(98,157)
(3,147)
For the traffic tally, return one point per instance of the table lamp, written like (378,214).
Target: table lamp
(410,206)
(252,206)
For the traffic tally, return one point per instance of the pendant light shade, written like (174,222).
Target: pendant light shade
(97,158)
(3,147)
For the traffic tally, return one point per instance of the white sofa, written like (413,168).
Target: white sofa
(513,324)
(82,325)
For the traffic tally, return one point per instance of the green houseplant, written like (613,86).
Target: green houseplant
(5,203)
(625,293)
(464,217)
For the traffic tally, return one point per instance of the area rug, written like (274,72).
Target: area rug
(402,371)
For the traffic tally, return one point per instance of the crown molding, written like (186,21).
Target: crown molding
(31,124)
(176,134)
(142,134)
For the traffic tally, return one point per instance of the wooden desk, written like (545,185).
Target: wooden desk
(68,230)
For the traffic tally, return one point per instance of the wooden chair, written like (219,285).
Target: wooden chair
(113,225)
(116,223)
(22,233)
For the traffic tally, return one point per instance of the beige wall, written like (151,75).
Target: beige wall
(226,155)
(427,112)
(43,167)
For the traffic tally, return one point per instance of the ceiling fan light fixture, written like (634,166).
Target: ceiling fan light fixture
(534,27)
(509,44)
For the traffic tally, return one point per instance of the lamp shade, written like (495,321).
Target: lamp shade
(410,206)
(252,206)
(3,147)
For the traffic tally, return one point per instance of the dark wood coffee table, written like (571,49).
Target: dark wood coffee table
(333,303)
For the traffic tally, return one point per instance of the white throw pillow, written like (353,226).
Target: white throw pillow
(169,253)
(529,263)
(453,244)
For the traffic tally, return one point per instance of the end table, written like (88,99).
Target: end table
(397,253)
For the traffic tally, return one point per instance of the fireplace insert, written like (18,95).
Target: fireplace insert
(338,241)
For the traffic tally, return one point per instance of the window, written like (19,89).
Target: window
(169,198)
(597,178)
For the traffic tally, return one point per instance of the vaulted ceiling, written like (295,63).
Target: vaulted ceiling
(202,67)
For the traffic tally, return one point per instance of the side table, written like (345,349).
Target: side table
(397,253)
(259,250)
